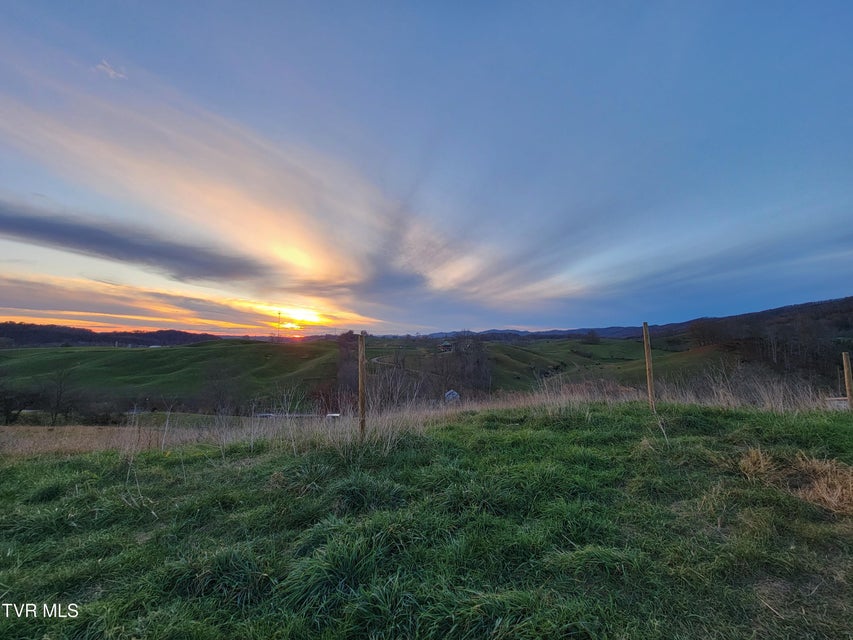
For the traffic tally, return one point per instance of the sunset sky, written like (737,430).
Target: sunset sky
(408,167)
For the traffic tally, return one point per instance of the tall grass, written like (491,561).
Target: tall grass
(744,386)
(723,385)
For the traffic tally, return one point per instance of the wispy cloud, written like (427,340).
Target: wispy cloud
(111,72)
(124,243)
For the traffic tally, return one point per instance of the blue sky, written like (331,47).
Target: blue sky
(412,167)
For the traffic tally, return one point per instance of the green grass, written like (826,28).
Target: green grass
(254,368)
(580,522)
(237,373)
(521,367)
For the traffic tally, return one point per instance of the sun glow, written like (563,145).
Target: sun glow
(296,257)
(290,317)
(304,315)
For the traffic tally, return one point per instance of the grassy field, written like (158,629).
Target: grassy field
(557,521)
(253,368)
(520,367)
(169,375)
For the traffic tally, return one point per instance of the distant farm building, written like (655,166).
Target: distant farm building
(445,347)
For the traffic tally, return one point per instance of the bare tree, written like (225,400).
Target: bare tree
(61,396)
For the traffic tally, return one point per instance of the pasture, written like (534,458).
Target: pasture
(246,376)
(540,520)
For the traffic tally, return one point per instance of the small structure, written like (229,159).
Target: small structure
(445,347)
(452,396)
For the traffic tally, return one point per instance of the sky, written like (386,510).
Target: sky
(262,168)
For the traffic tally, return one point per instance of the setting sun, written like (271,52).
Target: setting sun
(288,317)
(303,315)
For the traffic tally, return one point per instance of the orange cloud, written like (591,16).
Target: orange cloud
(126,307)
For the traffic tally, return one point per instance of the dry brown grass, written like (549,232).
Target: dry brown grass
(296,434)
(827,483)
(28,440)
(558,392)
(755,464)
(734,386)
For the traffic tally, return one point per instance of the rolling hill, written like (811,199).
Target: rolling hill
(209,373)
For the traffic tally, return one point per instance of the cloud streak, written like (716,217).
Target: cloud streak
(107,69)
(124,243)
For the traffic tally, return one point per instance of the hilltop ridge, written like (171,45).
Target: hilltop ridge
(839,311)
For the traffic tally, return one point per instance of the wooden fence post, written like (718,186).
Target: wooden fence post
(362,383)
(650,380)
(848,379)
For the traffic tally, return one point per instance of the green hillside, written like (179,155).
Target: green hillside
(520,367)
(238,372)
(253,368)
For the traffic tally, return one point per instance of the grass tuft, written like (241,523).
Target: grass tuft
(828,483)
(232,576)
(756,464)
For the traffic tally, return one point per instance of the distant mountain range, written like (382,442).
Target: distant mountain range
(601,332)
(840,310)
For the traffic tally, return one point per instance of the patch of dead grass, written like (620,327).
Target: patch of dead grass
(827,483)
(756,464)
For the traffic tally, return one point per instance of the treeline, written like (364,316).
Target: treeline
(803,338)
(20,334)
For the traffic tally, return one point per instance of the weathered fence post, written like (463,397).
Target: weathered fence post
(650,381)
(848,379)
(362,383)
